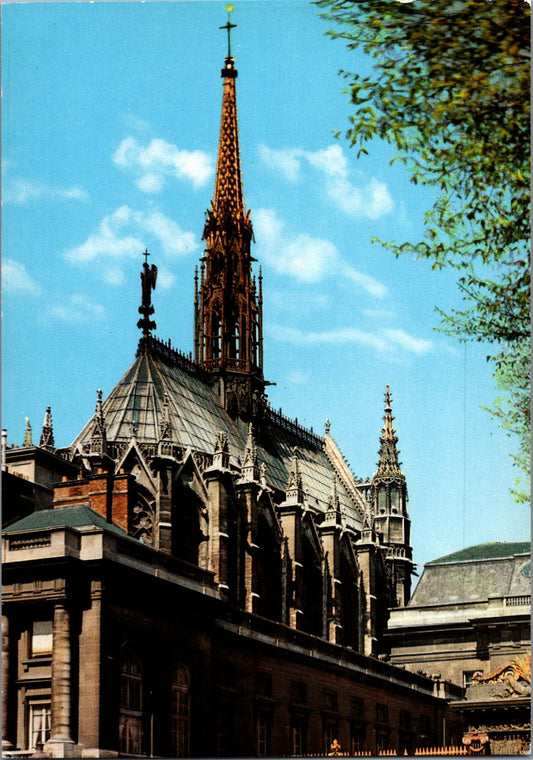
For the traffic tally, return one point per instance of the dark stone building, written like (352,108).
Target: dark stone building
(207,577)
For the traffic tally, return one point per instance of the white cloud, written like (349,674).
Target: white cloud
(403,340)
(285,161)
(303,257)
(16,280)
(154,163)
(114,275)
(78,308)
(297,377)
(22,190)
(125,233)
(370,200)
(384,341)
(165,278)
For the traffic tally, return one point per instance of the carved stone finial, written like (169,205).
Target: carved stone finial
(295,493)
(165,428)
(327,427)
(221,452)
(250,469)
(27,434)
(47,433)
(98,441)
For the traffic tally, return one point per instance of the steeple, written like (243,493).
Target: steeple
(388,465)
(228,319)
(391,519)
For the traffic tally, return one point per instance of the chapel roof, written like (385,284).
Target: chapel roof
(164,388)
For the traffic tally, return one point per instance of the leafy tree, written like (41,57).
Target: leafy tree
(449,89)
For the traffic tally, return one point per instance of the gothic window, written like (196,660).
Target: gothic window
(181,709)
(216,337)
(142,521)
(39,723)
(267,572)
(311,590)
(41,638)
(186,533)
(382,500)
(235,340)
(131,706)
(394,500)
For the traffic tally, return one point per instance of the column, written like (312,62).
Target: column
(6,744)
(60,743)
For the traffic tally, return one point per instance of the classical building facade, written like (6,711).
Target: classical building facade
(469,623)
(203,575)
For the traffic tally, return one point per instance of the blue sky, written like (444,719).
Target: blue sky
(110,130)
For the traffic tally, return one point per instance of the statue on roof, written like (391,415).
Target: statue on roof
(148,281)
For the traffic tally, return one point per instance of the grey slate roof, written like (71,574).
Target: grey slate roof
(196,417)
(458,579)
(80,516)
(490,550)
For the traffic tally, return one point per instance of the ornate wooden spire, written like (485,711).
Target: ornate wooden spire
(388,465)
(228,319)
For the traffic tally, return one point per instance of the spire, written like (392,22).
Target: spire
(250,468)
(98,442)
(47,433)
(27,434)
(228,201)
(148,281)
(388,465)
(333,513)
(228,311)
(295,492)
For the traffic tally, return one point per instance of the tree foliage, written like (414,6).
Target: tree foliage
(449,90)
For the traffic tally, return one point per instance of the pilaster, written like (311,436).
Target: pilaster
(60,743)
(6,743)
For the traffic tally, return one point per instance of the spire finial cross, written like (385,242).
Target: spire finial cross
(229,26)
(146,254)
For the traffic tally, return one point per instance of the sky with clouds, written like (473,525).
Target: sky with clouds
(110,130)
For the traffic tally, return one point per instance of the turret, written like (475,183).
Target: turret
(391,519)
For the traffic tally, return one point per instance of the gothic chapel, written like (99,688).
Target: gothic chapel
(208,578)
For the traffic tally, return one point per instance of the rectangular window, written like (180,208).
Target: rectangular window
(357,706)
(405,719)
(299,692)
(382,739)
(224,727)
(130,734)
(331,734)
(298,735)
(357,737)
(330,700)
(382,713)
(41,638)
(263,685)
(468,676)
(263,733)
(39,722)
